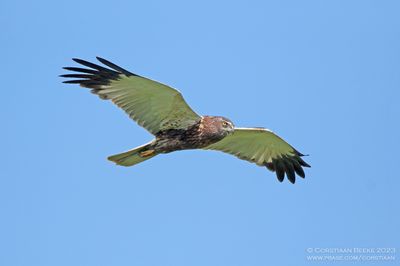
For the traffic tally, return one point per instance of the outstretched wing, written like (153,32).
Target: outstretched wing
(152,105)
(263,147)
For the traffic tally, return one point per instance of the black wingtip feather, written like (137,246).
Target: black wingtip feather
(115,67)
(82,70)
(280,170)
(73,81)
(91,65)
(289,169)
(289,165)
(297,168)
(86,76)
(280,176)
(303,163)
(95,76)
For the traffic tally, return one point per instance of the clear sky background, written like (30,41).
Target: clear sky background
(324,75)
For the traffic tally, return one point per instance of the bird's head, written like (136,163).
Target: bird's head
(219,125)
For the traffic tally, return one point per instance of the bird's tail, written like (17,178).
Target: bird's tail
(134,156)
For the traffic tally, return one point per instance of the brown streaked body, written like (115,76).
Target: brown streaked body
(208,130)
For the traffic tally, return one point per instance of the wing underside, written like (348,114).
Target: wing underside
(151,104)
(264,148)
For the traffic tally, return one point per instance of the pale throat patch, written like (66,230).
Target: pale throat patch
(201,126)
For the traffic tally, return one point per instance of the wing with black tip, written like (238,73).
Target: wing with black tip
(151,104)
(263,147)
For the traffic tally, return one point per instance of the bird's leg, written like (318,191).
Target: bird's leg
(147,153)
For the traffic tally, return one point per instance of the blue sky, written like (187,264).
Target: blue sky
(324,75)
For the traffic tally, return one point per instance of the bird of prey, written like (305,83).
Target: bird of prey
(163,112)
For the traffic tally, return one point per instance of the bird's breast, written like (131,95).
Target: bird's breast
(195,137)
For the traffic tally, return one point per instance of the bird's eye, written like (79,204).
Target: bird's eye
(225,124)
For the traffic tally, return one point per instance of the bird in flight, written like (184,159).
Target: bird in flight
(164,113)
